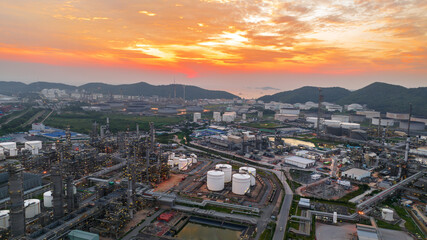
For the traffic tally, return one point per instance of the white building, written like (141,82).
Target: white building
(354,107)
(387,214)
(299,162)
(334,108)
(217,116)
(369,114)
(197,116)
(341,118)
(386,122)
(398,116)
(38,126)
(229,116)
(292,111)
(356,173)
(285,117)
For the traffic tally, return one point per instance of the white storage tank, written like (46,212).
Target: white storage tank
(170,163)
(387,214)
(32,208)
(171,156)
(4,219)
(241,183)
(226,168)
(215,180)
(47,199)
(182,165)
(176,160)
(251,171)
(189,161)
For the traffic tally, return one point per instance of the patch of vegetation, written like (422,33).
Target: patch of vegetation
(268,232)
(386,225)
(265,125)
(362,188)
(83,121)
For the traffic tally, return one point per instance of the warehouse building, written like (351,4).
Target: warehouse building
(299,162)
(356,174)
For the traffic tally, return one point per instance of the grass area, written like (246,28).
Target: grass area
(82,121)
(267,125)
(293,185)
(386,225)
(268,232)
(410,225)
(362,188)
(16,124)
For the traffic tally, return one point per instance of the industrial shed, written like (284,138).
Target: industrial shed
(300,162)
(356,173)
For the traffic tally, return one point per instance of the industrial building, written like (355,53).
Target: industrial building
(285,117)
(299,162)
(197,116)
(356,174)
(385,122)
(415,126)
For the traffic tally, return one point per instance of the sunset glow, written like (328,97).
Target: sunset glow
(199,38)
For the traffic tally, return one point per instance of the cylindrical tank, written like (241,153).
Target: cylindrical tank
(171,156)
(215,180)
(251,171)
(4,219)
(47,199)
(241,183)
(32,208)
(170,163)
(189,161)
(182,164)
(194,160)
(176,160)
(226,168)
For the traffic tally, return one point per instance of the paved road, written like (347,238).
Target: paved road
(282,218)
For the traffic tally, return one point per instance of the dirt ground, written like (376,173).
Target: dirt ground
(173,181)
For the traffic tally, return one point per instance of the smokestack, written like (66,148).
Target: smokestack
(17,216)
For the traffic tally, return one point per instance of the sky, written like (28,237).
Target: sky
(247,47)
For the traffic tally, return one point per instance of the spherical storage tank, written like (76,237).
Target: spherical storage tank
(32,208)
(226,168)
(182,165)
(47,199)
(215,180)
(251,171)
(241,183)
(4,219)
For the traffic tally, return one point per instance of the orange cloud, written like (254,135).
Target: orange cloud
(223,35)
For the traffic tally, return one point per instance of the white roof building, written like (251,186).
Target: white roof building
(299,161)
(356,173)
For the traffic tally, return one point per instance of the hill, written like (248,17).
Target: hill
(389,98)
(136,89)
(379,96)
(305,94)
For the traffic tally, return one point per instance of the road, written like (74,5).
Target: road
(282,218)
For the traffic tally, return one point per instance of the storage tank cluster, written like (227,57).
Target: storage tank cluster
(241,182)
(183,162)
